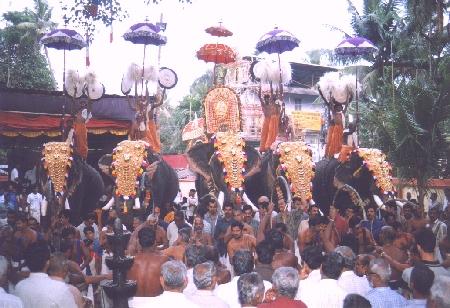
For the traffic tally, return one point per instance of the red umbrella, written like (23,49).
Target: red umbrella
(216,53)
(219,31)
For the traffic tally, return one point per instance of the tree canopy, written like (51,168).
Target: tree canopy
(22,65)
(405,108)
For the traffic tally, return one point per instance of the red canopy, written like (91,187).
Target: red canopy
(33,125)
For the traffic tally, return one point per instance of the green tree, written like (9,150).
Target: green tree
(173,120)
(21,63)
(41,22)
(406,108)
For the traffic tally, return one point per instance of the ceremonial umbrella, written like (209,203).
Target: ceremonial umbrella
(216,53)
(277,41)
(145,33)
(219,31)
(63,39)
(355,47)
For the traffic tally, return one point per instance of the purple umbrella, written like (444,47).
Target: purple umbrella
(355,46)
(63,39)
(277,41)
(145,33)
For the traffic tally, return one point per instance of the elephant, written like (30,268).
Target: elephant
(84,187)
(204,160)
(159,179)
(353,175)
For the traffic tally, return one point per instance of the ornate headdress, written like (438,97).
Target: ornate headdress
(129,159)
(375,161)
(230,152)
(298,167)
(57,157)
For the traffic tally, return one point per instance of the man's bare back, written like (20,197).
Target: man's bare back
(146,270)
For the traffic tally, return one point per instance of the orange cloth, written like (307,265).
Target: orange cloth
(152,137)
(80,139)
(334,140)
(269,132)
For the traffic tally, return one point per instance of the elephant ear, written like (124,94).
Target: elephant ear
(198,158)
(104,164)
(253,161)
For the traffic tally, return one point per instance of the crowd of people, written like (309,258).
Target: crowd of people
(203,253)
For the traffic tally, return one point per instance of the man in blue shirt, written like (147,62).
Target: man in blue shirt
(373,224)
(11,198)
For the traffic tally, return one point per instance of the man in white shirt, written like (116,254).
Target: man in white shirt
(243,263)
(192,202)
(14,177)
(348,280)
(39,290)
(58,269)
(312,259)
(421,281)
(381,296)
(205,279)
(34,200)
(173,280)
(30,175)
(251,290)
(7,300)
(174,226)
(89,221)
(327,292)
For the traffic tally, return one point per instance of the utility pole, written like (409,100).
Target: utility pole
(163,28)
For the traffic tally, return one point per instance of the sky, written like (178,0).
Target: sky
(186,24)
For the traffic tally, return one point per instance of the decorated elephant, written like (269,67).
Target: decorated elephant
(226,164)
(357,178)
(68,181)
(287,171)
(140,173)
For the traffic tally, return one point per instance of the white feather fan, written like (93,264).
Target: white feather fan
(151,73)
(126,85)
(74,83)
(134,72)
(337,86)
(262,70)
(286,72)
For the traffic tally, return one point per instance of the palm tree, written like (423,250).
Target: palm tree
(408,106)
(39,24)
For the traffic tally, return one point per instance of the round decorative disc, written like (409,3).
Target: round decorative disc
(167,78)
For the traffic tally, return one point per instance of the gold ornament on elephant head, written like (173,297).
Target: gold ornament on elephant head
(375,161)
(57,157)
(128,159)
(297,164)
(230,152)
